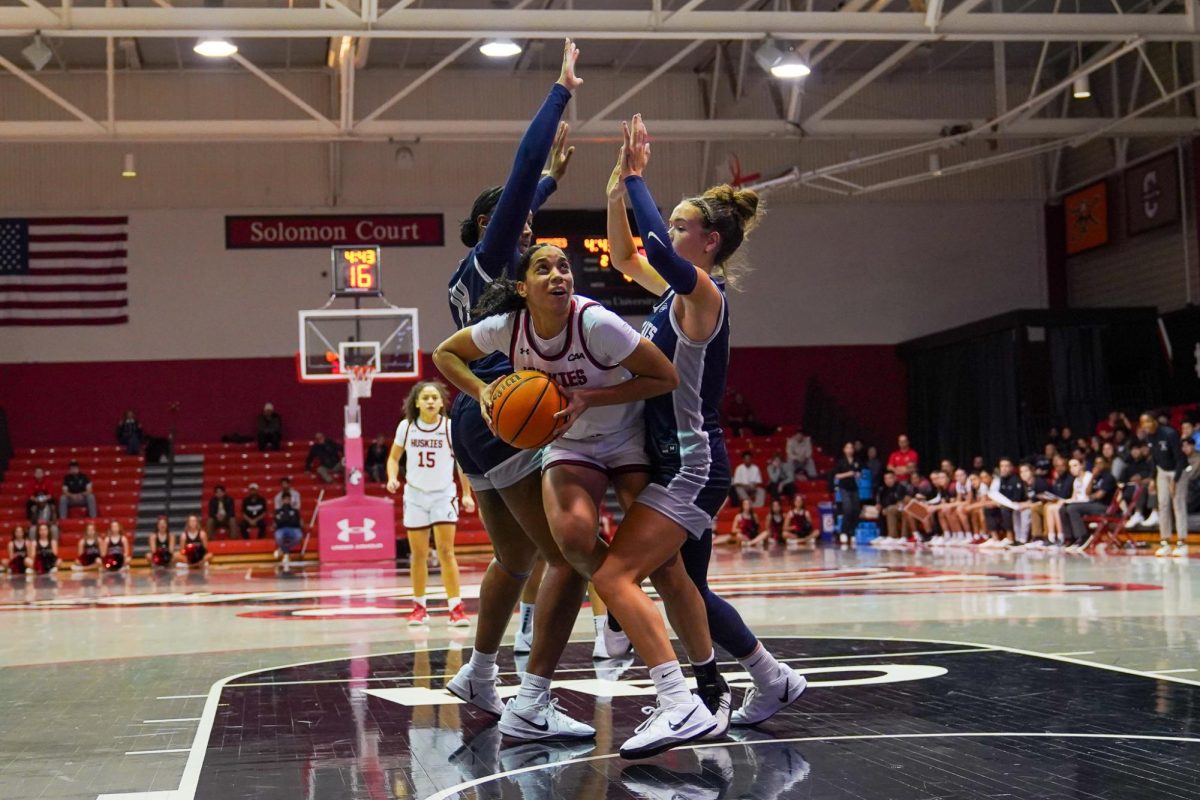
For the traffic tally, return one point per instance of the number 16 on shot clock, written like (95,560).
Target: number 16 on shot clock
(356,271)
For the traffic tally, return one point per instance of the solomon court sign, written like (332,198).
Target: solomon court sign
(321,230)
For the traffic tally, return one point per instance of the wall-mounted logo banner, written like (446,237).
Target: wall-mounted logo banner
(1087,218)
(1152,194)
(326,230)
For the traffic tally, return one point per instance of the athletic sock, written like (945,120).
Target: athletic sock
(613,624)
(533,689)
(453,601)
(669,682)
(526,617)
(706,671)
(419,600)
(483,663)
(600,622)
(762,666)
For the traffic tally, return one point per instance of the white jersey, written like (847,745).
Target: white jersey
(429,465)
(587,353)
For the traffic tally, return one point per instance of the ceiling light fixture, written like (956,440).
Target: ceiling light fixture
(791,66)
(129,170)
(500,48)
(37,53)
(215,48)
(1081,88)
(768,54)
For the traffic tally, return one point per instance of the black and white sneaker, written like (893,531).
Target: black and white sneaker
(718,699)
(669,726)
(760,706)
(477,689)
(541,721)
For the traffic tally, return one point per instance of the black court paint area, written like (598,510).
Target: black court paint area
(882,719)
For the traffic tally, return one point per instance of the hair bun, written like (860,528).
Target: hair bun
(746,202)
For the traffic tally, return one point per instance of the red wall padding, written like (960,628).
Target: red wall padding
(81,403)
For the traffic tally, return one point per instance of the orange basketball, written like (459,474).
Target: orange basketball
(523,409)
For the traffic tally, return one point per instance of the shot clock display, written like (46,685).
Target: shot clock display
(582,235)
(356,271)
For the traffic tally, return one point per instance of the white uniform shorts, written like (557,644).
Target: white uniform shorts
(613,453)
(423,509)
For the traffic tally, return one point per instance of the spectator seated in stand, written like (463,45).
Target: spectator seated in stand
(77,491)
(285,488)
(1100,491)
(781,477)
(1187,430)
(193,552)
(774,522)
(220,512)
(39,505)
(800,453)
(117,553)
(289,530)
(1005,495)
(324,458)
(748,482)
(740,418)
(890,499)
(254,513)
(1140,470)
(129,434)
(375,461)
(919,510)
(798,527)
(269,429)
(45,551)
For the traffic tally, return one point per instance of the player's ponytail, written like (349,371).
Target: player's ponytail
(501,295)
(468,229)
(733,213)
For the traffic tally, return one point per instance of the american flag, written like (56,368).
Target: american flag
(63,271)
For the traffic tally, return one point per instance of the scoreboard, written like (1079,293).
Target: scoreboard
(583,236)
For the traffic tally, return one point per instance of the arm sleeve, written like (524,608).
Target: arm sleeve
(508,219)
(546,187)
(608,337)
(679,274)
(493,334)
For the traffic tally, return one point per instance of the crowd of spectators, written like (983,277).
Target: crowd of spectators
(75,489)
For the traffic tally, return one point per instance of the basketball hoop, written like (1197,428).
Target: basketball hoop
(360,378)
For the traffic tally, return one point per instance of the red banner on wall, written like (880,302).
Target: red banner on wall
(387,230)
(1087,218)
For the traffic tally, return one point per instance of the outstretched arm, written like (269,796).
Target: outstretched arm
(621,247)
(507,221)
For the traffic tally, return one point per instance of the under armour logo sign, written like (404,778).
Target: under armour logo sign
(346,530)
(524,351)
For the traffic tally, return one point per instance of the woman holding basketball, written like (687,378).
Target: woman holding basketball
(430,501)
(542,325)
(506,481)
(687,267)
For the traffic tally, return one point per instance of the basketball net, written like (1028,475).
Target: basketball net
(360,379)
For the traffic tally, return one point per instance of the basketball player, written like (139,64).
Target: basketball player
(193,546)
(430,501)
(116,548)
(90,556)
(540,322)
(19,556)
(506,481)
(687,267)
(162,543)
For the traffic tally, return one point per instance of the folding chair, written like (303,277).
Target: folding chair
(1110,526)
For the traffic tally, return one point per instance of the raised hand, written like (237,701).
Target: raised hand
(636,147)
(560,152)
(616,189)
(566,78)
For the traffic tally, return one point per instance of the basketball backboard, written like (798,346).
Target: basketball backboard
(333,340)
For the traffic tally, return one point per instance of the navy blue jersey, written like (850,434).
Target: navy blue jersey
(683,428)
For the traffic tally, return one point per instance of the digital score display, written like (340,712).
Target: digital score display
(582,235)
(356,271)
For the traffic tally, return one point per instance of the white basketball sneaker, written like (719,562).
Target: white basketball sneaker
(1151,521)
(470,686)
(1180,551)
(541,720)
(1163,550)
(669,726)
(760,706)
(610,644)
